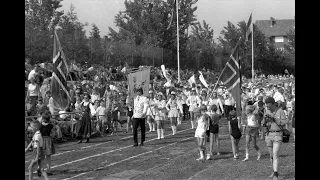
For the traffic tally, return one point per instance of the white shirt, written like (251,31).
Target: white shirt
(279,98)
(33,90)
(31,74)
(113,88)
(140,107)
(252,121)
(37,137)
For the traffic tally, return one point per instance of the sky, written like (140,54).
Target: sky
(215,12)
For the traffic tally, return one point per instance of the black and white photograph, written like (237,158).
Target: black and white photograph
(159,89)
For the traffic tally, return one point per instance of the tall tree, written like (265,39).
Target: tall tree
(73,37)
(38,37)
(95,45)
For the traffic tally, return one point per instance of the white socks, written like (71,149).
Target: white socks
(161,133)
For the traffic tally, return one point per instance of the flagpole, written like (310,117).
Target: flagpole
(252,52)
(178,58)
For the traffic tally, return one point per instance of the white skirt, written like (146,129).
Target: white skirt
(192,108)
(149,110)
(200,133)
(173,113)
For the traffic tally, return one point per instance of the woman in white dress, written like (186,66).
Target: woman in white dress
(150,110)
(174,108)
(193,102)
(160,114)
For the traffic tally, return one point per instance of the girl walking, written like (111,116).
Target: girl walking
(234,132)
(174,109)
(200,133)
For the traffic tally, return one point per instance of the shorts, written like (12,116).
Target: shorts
(130,113)
(214,129)
(273,137)
(252,131)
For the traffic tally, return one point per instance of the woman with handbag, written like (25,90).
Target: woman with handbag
(274,120)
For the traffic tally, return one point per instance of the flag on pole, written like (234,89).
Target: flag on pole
(60,90)
(173,11)
(192,80)
(249,29)
(230,77)
(165,73)
(203,81)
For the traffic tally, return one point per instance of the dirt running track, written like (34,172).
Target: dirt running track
(172,158)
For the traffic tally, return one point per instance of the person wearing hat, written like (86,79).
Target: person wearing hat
(251,130)
(140,105)
(274,120)
(174,109)
(193,102)
(150,116)
(160,114)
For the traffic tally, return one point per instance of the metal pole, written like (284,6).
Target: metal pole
(177,1)
(252,53)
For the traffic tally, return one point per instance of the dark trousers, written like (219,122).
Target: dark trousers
(136,122)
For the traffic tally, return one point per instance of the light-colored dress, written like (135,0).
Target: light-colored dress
(159,110)
(193,101)
(150,109)
(201,127)
(173,106)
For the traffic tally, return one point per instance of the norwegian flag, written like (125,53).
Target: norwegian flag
(230,77)
(60,90)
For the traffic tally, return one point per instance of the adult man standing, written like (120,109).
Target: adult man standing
(139,114)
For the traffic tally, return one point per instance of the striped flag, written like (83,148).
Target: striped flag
(249,29)
(230,77)
(60,90)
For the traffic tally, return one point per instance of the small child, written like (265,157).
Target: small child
(200,133)
(39,105)
(115,116)
(101,114)
(37,144)
(213,124)
(235,133)
(46,130)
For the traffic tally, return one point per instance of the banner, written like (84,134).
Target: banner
(203,81)
(139,79)
(192,80)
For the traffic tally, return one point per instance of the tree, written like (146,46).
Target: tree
(96,46)
(73,38)
(38,37)
(154,24)
(201,46)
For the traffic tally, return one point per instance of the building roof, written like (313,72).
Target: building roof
(280,28)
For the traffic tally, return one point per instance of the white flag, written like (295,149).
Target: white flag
(192,80)
(203,81)
(164,72)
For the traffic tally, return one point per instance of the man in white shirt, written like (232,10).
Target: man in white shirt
(33,73)
(139,116)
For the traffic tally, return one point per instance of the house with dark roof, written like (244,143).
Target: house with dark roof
(276,30)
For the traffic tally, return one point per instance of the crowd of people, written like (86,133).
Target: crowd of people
(100,106)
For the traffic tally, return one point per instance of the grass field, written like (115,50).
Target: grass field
(172,158)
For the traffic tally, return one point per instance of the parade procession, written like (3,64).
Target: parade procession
(161,95)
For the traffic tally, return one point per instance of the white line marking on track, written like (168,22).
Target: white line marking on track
(109,151)
(114,163)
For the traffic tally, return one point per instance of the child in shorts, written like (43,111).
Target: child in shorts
(38,154)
